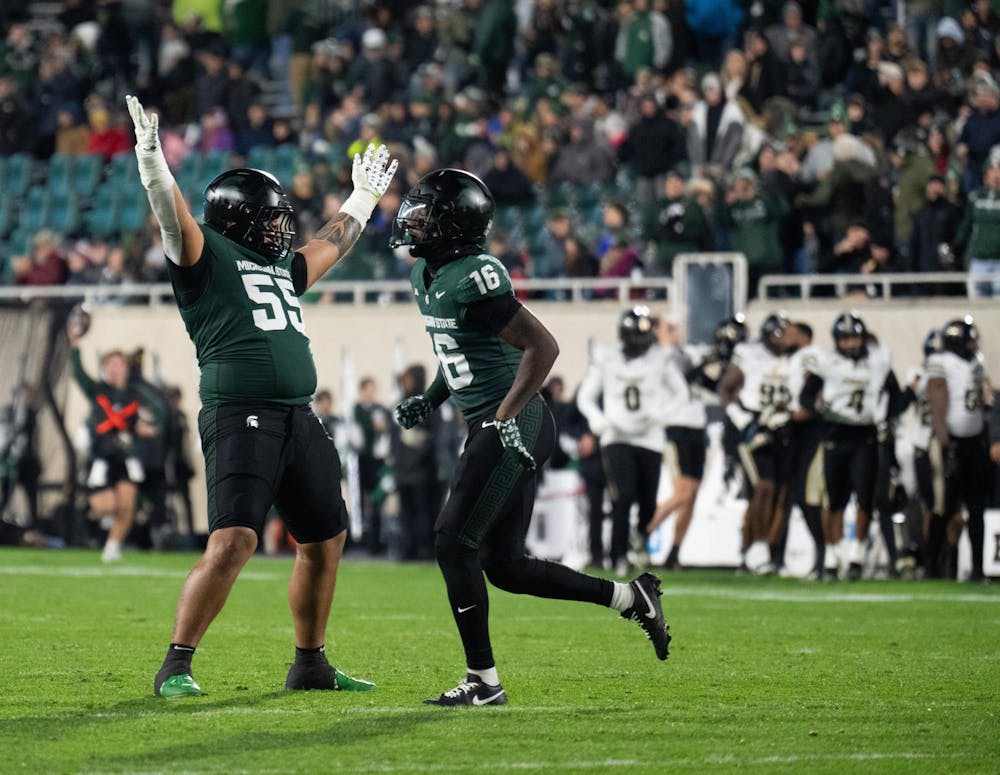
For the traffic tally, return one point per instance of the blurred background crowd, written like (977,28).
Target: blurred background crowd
(815,136)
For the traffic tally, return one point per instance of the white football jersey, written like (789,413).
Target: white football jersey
(765,377)
(639,396)
(801,363)
(965,391)
(853,389)
(691,412)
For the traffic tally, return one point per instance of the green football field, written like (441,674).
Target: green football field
(765,675)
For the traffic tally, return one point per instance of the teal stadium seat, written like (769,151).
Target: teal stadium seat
(123,168)
(87,174)
(64,212)
(133,213)
(287,162)
(102,217)
(8,217)
(57,174)
(17,180)
(36,210)
(260,157)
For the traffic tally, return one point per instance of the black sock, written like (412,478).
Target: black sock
(933,560)
(814,521)
(977,537)
(177,662)
(673,557)
(542,578)
(310,657)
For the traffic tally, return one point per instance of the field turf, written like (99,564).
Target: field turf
(765,675)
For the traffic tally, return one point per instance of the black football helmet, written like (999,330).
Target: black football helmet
(446,215)
(728,334)
(772,329)
(932,343)
(251,208)
(636,331)
(846,326)
(961,337)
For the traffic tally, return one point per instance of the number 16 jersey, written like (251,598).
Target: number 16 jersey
(477,364)
(246,324)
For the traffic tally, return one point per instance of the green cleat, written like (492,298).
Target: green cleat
(323,677)
(345,683)
(178,686)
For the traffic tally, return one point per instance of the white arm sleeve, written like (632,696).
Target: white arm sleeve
(159,185)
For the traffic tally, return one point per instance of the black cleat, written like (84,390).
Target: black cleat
(647,612)
(854,571)
(471,691)
(323,677)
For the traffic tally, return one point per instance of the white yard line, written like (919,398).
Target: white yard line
(602,764)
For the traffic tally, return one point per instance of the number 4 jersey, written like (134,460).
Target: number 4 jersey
(245,320)
(477,364)
(854,391)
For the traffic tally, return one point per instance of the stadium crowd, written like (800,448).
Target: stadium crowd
(842,136)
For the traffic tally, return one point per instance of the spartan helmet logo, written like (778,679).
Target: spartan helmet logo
(252,421)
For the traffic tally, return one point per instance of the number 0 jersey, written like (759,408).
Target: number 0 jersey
(246,325)
(965,391)
(853,389)
(477,365)
(639,396)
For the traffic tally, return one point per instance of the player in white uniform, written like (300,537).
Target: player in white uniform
(807,441)
(685,449)
(955,387)
(639,386)
(928,469)
(754,392)
(852,378)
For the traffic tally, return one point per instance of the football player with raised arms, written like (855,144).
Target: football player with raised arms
(237,282)
(854,380)
(493,355)
(955,380)
(639,385)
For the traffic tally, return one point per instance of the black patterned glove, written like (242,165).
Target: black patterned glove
(412,411)
(510,437)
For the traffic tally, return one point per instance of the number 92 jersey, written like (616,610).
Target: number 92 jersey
(477,365)
(246,325)
(965,391)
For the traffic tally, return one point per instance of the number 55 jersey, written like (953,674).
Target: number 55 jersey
(245,320)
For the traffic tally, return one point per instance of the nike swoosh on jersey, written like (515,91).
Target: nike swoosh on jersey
(487,424)
(477,701)
(439,294)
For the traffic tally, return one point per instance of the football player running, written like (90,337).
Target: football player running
(493,355)
(237,283)
(638,385)
(955,387)
(853,378)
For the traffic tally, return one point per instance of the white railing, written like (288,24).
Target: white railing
(359,292)
(885,284)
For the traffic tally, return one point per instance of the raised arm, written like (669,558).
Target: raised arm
(334,239)
(182,239)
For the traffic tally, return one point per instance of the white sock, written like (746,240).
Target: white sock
(830,560)
(858,551)
(488,675)
(112,546)
(622,596)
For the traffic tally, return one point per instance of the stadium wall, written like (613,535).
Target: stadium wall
(377,339)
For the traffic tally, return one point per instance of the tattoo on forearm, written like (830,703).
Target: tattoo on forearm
(342,230)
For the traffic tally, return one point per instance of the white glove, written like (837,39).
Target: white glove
(147,139)
(155,176)
(371,175)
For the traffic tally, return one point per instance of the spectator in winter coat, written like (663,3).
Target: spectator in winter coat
(753,217)
(791,30)
(764,76)
(716,130)
(933,231)
(674,224)
(652,147)
(583,159)
(979,232)
(981,132)
(508,184)
(644,40)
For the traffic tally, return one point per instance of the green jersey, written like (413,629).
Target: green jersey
(246,325)
(477,365)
